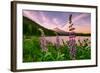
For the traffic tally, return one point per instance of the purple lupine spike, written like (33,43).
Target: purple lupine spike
(43,41)
(72,41)
(57,41)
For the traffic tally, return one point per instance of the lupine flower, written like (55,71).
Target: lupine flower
(43,41)
(57,41)
(72,41)
(73,51)
(43,44)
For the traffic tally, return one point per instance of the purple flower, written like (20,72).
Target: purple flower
(72,41)
(43,44)
(43,41)
(57,41)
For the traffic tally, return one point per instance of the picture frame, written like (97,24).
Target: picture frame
(25,37)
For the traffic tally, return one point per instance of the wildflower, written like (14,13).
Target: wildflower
(72,41)
(43,41)
(57,41)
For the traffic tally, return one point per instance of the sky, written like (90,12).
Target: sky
(55,19)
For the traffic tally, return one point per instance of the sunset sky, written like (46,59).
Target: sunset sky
(53,19)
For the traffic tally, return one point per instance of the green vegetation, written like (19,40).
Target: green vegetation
(32,51)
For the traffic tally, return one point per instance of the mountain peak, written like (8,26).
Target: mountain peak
(58,30)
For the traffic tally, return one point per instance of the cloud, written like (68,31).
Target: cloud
(36,16)
(77,18)
(51,23)
(42,19)
(55,20)
(32,15)
(78,28)
(46,21)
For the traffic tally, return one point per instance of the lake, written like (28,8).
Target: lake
(65,38)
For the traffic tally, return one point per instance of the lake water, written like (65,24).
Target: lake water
(66,38)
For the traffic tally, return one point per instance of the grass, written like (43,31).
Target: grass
(32,51)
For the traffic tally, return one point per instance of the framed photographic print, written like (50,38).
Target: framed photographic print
(47,36)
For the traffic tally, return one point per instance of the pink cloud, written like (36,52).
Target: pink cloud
(40,18)
(79,28)
(79,17)
(46,22)
(31,15)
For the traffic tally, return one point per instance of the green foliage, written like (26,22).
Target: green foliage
(31,47)
(32,51)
